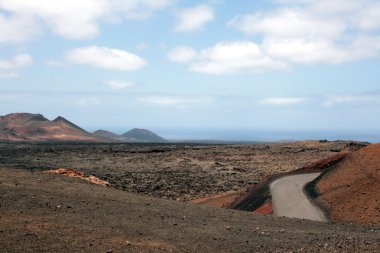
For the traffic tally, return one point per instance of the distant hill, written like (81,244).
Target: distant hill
(138,134)
(35,127)
(62,120)
(109,135)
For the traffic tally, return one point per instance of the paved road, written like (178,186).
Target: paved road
(289,199)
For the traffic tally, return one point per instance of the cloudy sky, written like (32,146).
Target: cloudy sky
(179,66)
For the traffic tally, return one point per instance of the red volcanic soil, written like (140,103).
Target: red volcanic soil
(35,127)
(265,209)
(73,173)
(351,191)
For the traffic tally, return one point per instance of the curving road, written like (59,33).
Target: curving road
(289,199)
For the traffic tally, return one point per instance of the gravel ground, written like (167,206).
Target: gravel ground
(41,212)
(172,171)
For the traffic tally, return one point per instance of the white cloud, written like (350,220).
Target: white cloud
(18,28)
(88,102)
(234,57)
(70,19)
(289,24)
(332,100)
(231,57)
(194,18)
(118,84)
(8,66)
(303,51)
(296,32)
(282,101)
(182,54)
(135,9)
(370,18)
(105,58)
(312,32)
(174,100)
(17,61)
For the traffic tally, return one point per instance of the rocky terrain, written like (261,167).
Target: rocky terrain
(81,197)
(173,171)
(351,191)
(41,212)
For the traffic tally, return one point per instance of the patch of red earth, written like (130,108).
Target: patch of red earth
(351,191)
(76,174)
(265,209)
(319,166)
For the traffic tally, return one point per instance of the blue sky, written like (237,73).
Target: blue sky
(190,66)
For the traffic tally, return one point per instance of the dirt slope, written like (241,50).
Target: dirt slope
(71,215)
(352,190)
(35,127)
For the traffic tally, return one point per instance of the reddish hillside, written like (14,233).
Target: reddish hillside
(352,190)
(35,127)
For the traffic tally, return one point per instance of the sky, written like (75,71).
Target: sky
(196,69)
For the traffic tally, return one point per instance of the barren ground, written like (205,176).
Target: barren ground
(173,171)
(41,212)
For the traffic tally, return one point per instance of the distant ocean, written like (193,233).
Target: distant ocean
(252,135)
(263,136)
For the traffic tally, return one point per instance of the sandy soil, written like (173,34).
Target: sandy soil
(351,191)
(173,171)
(40,212)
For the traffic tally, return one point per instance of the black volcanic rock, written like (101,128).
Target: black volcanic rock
(138,134)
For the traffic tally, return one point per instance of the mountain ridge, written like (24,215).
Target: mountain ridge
(35,127)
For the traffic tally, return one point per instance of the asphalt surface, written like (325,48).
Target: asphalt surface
(289,199)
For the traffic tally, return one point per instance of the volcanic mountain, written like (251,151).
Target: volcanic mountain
(351,191)
(138,134)
(35,127)
(107,134)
